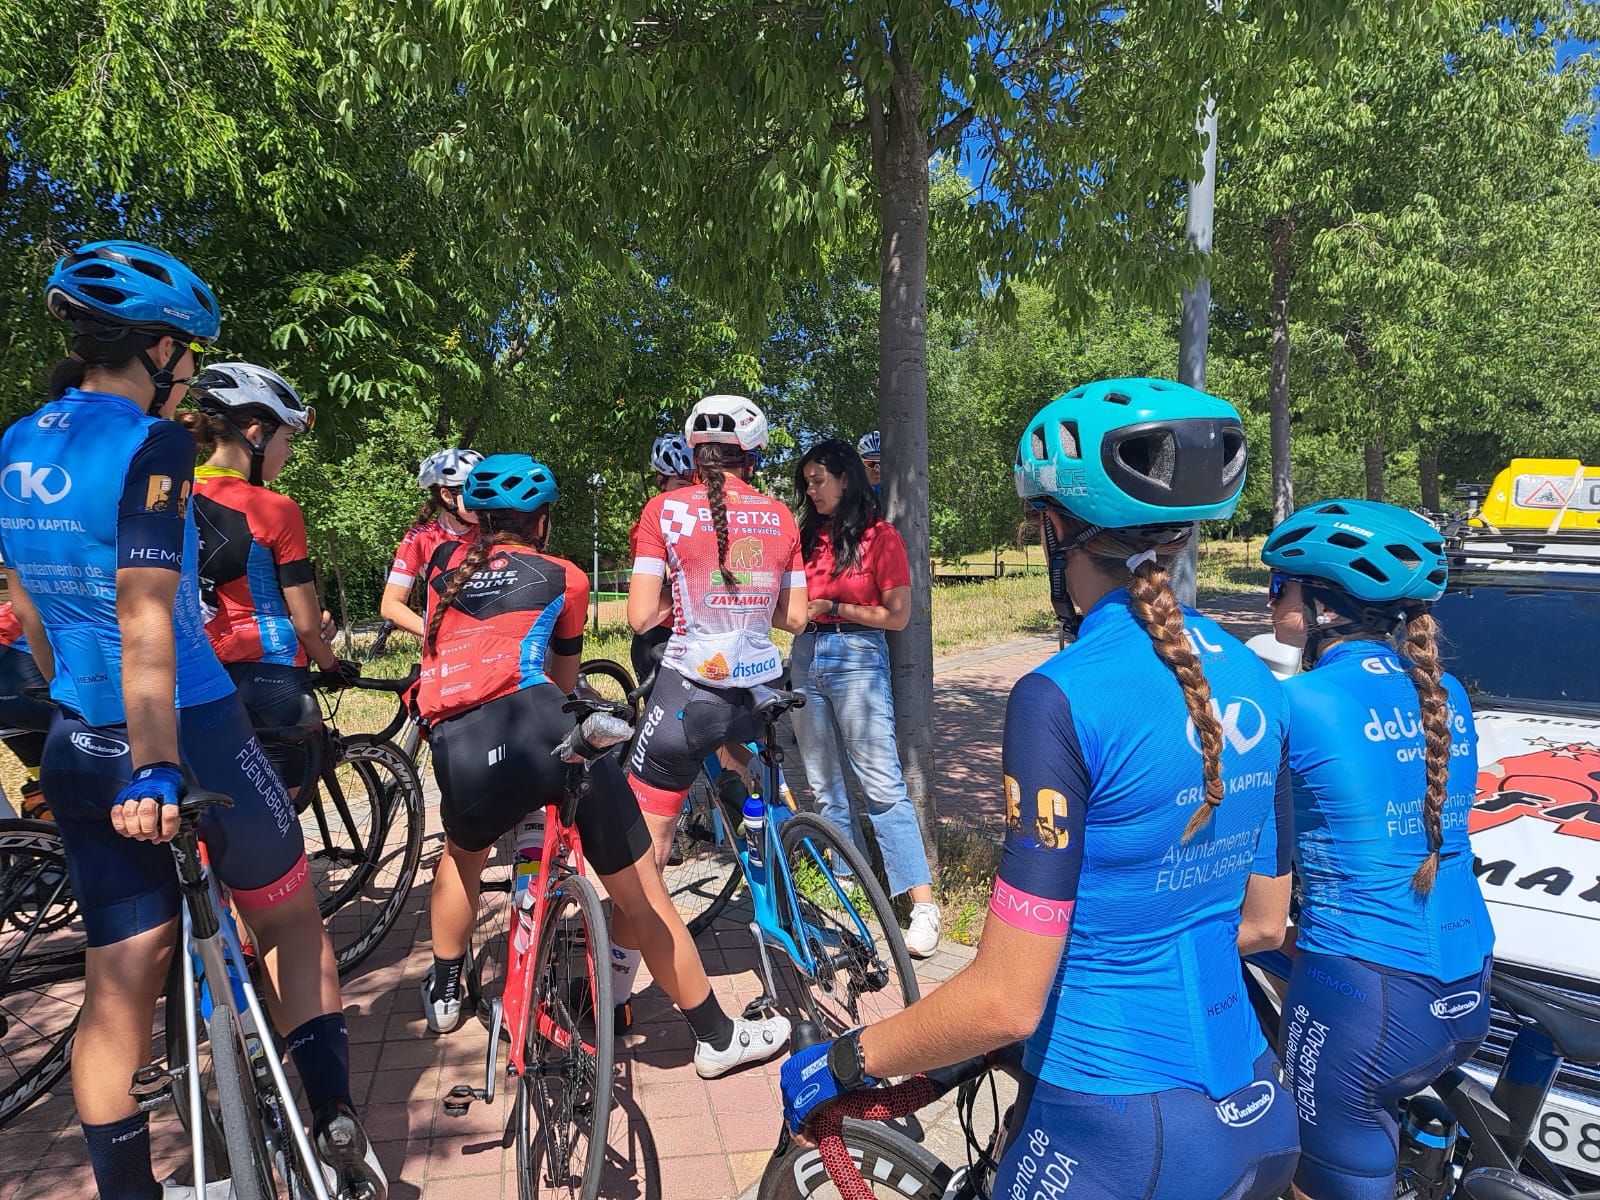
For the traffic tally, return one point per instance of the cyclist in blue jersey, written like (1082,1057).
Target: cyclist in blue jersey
(97,533)
(1145,795)
(1388,989)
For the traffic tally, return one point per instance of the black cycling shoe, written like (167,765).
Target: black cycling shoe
(342,1145)
(622,1017)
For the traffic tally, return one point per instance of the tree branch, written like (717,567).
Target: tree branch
(948,133)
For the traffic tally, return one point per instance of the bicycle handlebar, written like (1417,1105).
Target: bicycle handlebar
(604,726)
(332,681)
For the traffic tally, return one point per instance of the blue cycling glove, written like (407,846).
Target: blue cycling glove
(161,781)
(808,1083)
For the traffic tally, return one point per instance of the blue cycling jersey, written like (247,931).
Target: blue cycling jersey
(1103,771)
(1356,750)
(90,484)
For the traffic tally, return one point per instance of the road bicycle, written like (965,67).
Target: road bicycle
(42,946)
(542,977)
(1476,1144)
(224,1068)
(361,813)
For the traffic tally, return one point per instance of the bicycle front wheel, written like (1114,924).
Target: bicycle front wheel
(703,871)
(363,834)
(250,1166)
(42,947)
(892,1165)
(564,1093)
(860,971)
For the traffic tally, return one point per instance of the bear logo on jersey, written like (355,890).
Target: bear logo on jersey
(745,554)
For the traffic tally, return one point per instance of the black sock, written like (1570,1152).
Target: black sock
(710,1023)
(120,1155)
(447,978)
(321,1052)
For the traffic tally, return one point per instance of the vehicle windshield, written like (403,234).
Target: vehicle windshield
(1523,643)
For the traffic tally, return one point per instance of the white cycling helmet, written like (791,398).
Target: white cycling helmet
(447,468)
(734,420)
(670,455)
(870,445)
(244,392)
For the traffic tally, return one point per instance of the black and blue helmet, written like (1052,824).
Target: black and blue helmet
(128,285)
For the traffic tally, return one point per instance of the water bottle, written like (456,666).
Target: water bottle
(529,852)
(1427,1144)
(755,825)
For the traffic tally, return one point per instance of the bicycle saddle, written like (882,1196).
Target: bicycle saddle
(769,703)
(1573,1022)
(195,801)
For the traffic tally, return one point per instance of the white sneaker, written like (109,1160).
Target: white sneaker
(442,1015)
(216,1189)
(922,939)
(753,1042)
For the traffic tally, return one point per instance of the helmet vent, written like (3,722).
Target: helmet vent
(154,270)
(1041,452)
(1366,568)
(1347,541)
(1337,510)
(1153,456)
(1069,439)
(1405,554)
(1117,398)
(1288,537)
(106,295)
(1234,454)
(1437,578)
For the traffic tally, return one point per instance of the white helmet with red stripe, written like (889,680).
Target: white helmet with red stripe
(734,420)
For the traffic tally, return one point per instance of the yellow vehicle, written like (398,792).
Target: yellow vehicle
(1554,495)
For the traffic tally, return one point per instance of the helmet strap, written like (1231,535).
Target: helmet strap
(1355,620)
(162,377)
(258,450)
(1056,551)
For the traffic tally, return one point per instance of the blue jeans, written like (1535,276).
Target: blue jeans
(849,713)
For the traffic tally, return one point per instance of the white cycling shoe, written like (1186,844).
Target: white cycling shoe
(216,1189)
(443,1016)
(753,1041)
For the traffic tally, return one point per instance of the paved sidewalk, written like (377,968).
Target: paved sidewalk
(674,1136)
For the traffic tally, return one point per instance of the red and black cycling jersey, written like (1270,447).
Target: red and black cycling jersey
(11,630)
(521,606)
(252,546)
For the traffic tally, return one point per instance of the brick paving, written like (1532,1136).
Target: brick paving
(673,1135)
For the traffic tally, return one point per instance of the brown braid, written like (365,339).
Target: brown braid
(1421,648)
(711,459)
(1157,608)
(495,529)
(431,507)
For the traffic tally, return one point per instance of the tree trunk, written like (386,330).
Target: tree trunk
(1428,471)
(1281,233)
(902,168)
(1372,456)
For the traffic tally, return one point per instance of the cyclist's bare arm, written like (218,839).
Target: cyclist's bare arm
(649,602)
(393,607)
(145,600)
(32,627)
(789,613)
(562,670)
(1265,913)
(305,614)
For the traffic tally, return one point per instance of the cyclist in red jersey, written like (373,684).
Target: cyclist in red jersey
(24,709)
(256,580)
(442,519)
(674,468)
(501,651)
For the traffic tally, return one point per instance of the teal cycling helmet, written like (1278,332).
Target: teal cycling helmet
(1379,554)
(1128,452)
(509,481)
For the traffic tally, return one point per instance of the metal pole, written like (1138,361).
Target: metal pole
(1195,328)
(596,482)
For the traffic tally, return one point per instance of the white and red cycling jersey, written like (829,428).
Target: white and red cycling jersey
(721,626)
(417,548)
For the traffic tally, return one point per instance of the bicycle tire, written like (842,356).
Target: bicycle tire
(703,871)
(239,1109)
(551,1130)
(891,1164)
(862,983)
(42,948)
(611,680)
(361,894)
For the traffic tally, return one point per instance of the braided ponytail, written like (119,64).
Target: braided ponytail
(495,529)
(711,459)
(1421,649)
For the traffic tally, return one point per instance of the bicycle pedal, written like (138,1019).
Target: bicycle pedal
(151,1085)
(459,1099)
(758,1008)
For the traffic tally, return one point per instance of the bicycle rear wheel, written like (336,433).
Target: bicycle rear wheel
(42,947)
(564,1095)
(863,971)
(891,1164)
(703,871)
(250,1166)
(610,680)
(363,834)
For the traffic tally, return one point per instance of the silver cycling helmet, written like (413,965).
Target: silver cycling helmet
(670,455)
(447,468)
(244,392)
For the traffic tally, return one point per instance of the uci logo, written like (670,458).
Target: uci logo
(1459,1005)
(1233,729)
(1247,1106)
(24,482)
(99,747)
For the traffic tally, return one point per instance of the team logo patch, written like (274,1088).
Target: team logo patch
(24,482)
(1248,1105)
(1239,729)
(677,520)
(745,554)
(714,668)
(1447,1008)
(99,747)
(499,564)
(159,495)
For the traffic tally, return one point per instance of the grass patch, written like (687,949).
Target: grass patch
(969,857)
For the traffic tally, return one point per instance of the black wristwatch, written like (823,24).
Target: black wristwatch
(848,1062)
(833,608)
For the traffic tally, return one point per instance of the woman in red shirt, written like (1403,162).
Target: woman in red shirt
(858,583)
(442,520)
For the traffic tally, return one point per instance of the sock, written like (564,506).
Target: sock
(624,971)
(120,1155)
(447,978)
(710,1023)
(321,1052)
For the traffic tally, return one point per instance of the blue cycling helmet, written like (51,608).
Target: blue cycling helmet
(1127,452)
(510,481)
(1377,553)
(870,445)
(128,285)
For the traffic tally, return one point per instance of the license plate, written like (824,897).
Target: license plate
(1569,1132)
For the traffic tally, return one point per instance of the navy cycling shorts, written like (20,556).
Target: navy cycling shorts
(126,887)
(1177,1144)
(1357,1040)
(277,695)
(20,706)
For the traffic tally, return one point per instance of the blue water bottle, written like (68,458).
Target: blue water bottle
(755,824)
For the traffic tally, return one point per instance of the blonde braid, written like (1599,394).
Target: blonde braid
(1421,649)
(460,577)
